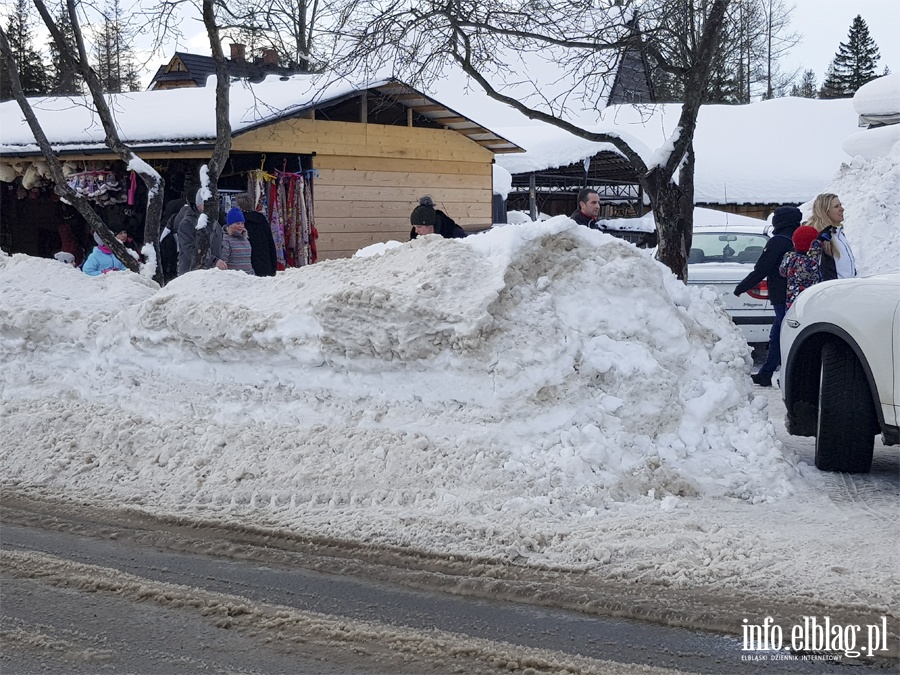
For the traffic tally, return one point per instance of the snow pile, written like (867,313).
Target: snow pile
(46,304)
(881,96)
(869,186)
(870,192)
(543,371)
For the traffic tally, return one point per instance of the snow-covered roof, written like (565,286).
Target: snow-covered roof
(776,151)
(187,115)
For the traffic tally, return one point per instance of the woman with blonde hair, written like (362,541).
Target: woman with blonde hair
(827,217)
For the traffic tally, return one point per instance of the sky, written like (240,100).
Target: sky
(540,394)
(826,23)
(823,24)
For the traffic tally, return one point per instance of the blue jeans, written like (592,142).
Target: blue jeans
(773,359)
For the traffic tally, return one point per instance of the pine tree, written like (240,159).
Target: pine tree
(63,79)
(807,86)
(32,71)
(114,57)
(853,64)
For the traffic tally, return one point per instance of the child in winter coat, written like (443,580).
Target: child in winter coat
(801,266)
(236,251)
(101,260)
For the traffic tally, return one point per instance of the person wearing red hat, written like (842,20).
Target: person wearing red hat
(800,267)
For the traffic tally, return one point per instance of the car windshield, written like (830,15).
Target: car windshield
(726,247)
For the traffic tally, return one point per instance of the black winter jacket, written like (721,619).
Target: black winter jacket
(446,227)
(263,258)
(582,219)
(767,266)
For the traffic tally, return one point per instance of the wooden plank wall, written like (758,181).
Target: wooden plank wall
(357,207)
(371,177)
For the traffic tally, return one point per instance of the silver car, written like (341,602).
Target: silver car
(721,257)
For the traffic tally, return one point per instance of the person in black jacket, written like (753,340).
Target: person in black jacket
(263,259)
(168,248)
(425,219)
(784,222)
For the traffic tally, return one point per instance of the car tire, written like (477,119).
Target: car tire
(845,435)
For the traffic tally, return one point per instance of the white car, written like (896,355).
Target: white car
(840,376)
(721,256)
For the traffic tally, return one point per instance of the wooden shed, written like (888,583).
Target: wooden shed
(370,151)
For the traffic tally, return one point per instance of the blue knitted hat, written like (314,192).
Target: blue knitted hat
(235,215)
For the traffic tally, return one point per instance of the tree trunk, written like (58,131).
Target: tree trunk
(62,188)
(668,211)
(222,149)
(77,60)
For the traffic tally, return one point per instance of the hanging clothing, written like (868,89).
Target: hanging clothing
(287,199)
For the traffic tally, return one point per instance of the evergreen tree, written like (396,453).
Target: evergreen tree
(668,87)
(853,64)
(32,72)
(64,78)
(114,56)
(724,84)
(831,87)
(807,86)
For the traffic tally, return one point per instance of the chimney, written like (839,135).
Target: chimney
(270,58)
(237,52)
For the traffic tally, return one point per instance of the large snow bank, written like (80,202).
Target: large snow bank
(536,371)
(869,185)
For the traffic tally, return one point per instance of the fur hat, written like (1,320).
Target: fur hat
(424,213)
(803,238)
(786,216)
(235,215)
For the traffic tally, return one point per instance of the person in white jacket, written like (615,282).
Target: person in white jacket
(838,261)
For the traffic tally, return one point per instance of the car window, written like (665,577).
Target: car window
(726,247)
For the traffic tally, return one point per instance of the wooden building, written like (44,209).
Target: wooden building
(370,151)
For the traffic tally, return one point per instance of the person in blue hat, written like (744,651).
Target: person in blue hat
(236,252)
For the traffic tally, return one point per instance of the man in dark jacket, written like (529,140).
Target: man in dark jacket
(588,209)
(263,259)
(186,234)
(168,248)
(425,219)
(784,222)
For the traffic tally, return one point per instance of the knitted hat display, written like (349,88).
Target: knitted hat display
(803,238)
(424,213)
(235,215)
(786,216)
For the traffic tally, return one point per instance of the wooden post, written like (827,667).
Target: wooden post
(532,197)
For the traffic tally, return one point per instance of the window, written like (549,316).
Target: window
(727,247)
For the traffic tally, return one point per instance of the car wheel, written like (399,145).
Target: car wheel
(845,436)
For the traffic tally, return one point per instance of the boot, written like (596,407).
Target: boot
(762,379)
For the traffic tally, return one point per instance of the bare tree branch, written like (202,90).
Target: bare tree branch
(496,44)
(150,177)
